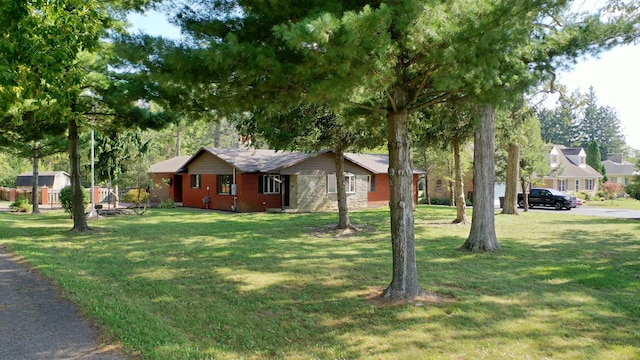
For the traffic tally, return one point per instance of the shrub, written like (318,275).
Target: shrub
(139,198)
(66,199)
(21,205)
(136,197)
(167,204)
(633,189)
(611,189)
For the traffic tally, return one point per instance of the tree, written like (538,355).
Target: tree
(312,128)
(594,159)
(533,158)
(510,137)
(611,189)
(633,189)
(449,127)
(395,59)
(55,45)
(600,124)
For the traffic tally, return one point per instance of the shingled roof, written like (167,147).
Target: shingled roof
(268,161)
(45,178)
(169,166)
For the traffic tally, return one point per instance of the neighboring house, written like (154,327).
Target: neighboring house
(570,172)
(620,171)
(167,183)
(250,180)
(55,180)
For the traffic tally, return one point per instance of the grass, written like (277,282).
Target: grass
(188,284)
(620,203)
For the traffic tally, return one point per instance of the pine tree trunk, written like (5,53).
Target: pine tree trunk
(511,189)
(461,204)
(343,208)
(77,201)
(178,139)
(34,184)
(525,197)
(404,284)
(482,236)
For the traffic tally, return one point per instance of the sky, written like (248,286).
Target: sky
(614,75)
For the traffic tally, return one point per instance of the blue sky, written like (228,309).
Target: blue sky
(615,75)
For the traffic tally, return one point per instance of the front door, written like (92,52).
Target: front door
(177,188)
(286,199)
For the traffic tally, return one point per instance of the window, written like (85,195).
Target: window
(577,185)
(582,161)
(223,184)
(589,184)
(269,184)
(372,183)
(438,185)
(554,160)
(196,181)
(349,182)
(562,185)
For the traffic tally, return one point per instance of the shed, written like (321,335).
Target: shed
(55,180)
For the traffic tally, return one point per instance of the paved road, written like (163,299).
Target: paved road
(35,323)
(594,211)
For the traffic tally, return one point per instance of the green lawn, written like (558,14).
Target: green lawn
(188,284)
(631,204)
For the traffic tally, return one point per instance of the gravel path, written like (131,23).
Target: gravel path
(35,323)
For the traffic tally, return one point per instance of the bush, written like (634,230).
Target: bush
(167,204)
(633,189)
(21,205)
(137,197)
(611,189)
(66,199)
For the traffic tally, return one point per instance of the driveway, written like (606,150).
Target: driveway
(594,211)
(37,324)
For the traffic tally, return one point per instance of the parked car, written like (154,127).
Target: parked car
(549,197)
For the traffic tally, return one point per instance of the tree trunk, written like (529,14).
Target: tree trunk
(34,184)
(178,139)
(525,196)
(511,189)
(216,137)
(426,189)
(77,202)
(482,236)
(461,204)
(343,208)
(404,284)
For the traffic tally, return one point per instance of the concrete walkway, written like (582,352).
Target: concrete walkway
(35,323)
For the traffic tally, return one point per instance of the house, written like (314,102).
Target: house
(251,180)
(55,180)
(620,171)
(570,172)
(167,184)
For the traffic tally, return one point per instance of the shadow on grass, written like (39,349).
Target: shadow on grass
(181,284)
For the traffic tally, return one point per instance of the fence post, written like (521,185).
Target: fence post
(12,195)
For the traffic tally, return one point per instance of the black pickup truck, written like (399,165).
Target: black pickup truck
(548,197)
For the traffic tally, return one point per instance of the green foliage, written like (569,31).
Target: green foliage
(578,121)
(167,204)
(633,189)
(137,197)
(594,159)
(21,205)
(563,287)
(66,199)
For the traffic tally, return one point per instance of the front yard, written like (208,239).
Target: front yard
(186,284)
